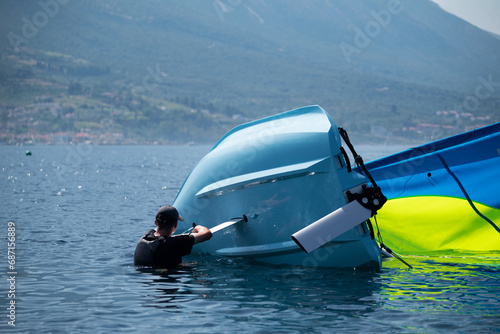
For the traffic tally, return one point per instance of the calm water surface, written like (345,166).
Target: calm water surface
(79,211)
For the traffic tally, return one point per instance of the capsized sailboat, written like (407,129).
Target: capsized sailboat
(278,177)
(443,197)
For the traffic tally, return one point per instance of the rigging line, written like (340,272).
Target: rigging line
(387,249)
(357,158)
(465,193)
(404,187)
(378,231)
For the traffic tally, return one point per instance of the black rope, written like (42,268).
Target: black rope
(346,157)
(465,193)
(387,249)
(357,158)
(361,167)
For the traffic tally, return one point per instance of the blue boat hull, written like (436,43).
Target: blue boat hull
(283,173)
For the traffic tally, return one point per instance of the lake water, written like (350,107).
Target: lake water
(79,211)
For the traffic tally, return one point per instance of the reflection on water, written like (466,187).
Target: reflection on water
(243,285)
(434,296)
(447,284)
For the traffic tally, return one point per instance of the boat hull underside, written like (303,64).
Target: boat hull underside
(276,208)
(283,173)
(341,253)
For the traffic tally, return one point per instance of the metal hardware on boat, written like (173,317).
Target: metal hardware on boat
(229,223)
(221,226)
(331,226)
(387,250)
(361,207)
(371,198)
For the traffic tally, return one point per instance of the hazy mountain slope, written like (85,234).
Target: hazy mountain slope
(419,40)
(388,64)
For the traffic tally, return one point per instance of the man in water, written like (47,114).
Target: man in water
(160,248)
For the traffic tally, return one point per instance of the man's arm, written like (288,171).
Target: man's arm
(201,233)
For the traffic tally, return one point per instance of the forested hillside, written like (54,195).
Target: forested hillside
(187,71)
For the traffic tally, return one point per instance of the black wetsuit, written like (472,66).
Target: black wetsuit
(160,251)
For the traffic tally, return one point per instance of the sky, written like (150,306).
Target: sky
(484,14)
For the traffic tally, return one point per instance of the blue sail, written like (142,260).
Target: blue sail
(443,197)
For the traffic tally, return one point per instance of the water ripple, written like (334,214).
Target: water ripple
(78,223)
